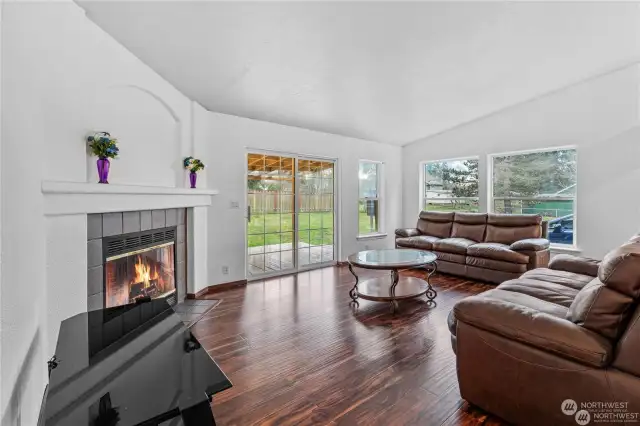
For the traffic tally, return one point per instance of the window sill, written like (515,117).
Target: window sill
(371,236)
(561,248)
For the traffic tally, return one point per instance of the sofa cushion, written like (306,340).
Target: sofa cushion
(601,309)
(407,232)
(534,322)
(606,303)
(497,265)
(451,257)
(507,229)
(469,225)
(436,224)
(453,245)
(422,242)
(547,291)
(497,251)
(620,269)
(575,264)
(567,279)
(531,244)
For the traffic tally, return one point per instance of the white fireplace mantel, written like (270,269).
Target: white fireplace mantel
(67,198)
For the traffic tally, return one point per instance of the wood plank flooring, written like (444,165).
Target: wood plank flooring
(297,354)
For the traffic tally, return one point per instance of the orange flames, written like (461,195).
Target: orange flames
(144,273)
(138,275)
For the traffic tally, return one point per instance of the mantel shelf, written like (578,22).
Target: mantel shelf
(68,198)
(57,187)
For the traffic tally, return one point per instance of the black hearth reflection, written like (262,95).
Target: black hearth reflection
(142,274)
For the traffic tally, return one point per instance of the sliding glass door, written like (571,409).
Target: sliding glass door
(290,213)
(315,211)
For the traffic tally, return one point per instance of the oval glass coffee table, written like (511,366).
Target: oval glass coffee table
(394,288)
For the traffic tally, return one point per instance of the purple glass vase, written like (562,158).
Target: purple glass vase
(103,170)
(192,178)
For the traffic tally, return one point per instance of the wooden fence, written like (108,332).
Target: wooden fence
(264,202)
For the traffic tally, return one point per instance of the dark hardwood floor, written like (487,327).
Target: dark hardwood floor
(297,354)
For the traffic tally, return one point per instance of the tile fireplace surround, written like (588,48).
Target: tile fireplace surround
(101,225)
(78,215)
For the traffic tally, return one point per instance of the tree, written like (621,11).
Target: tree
(464,181)
(534,174)
(459,178)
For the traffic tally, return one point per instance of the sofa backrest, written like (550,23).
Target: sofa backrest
(606,303)
(508,228)
(437,224)
(471,226)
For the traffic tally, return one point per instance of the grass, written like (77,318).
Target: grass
(316,228)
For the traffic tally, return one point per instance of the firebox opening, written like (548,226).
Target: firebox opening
(140,273)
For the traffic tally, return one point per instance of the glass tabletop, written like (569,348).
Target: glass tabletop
(391,258)
(135,363)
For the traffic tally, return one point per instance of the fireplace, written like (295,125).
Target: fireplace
(140,266)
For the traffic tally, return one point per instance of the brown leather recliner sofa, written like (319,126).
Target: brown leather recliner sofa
(567,332)
(488,247)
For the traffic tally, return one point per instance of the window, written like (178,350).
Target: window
(542,182)
(450,185)
(369,178)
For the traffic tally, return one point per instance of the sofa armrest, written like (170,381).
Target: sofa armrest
(407,232)
(575,264)
(534,328)
(530,244)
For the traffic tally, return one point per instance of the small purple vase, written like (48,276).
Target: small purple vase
(103,170)
(192,178)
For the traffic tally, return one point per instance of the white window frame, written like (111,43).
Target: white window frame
(421,196)
(491,198)
(380,198)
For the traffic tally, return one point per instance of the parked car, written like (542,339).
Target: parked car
(561,230)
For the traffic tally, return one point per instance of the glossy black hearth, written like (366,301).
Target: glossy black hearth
(131,365)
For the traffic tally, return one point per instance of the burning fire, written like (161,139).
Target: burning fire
(143,272)
(147,274)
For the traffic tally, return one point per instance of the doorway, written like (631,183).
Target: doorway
(290,213)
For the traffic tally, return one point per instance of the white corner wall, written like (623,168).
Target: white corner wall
(63,77)
(599,116)
(230,138)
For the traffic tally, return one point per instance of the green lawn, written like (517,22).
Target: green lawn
(315,228)
(452,207)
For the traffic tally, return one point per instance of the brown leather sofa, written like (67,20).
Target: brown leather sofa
(567,332)
(487,247)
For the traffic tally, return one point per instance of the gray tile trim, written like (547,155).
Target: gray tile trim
(158,219)
(95,301)
(145,220)
(130,222)
(94,253)
(94,226)
(182,233)
(94,280)
(111,224)
(171,217)
(181,252)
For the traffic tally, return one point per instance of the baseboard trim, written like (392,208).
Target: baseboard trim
(342,263)
(217,288)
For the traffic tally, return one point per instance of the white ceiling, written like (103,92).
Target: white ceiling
(383,71)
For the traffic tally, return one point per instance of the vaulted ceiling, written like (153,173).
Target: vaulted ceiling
(391,72)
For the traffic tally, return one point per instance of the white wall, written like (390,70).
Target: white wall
(63,77)
(229,139)
(599,116)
